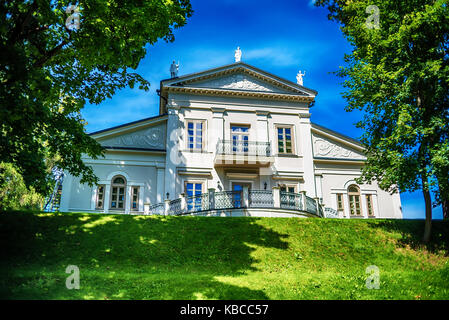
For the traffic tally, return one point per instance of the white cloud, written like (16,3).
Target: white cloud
(275,56)
(312,3)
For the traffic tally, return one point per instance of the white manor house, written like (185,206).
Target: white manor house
(230,141)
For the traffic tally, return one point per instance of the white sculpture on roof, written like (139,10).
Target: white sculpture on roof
(174,68)
(299,77)
(238,54)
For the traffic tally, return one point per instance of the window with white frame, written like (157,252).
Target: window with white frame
(99,202)
(118,194)
(195,135)
(354,200)
(240,138)
(340,203)
(369,205)
(135,198)
(285,139)
(193,189)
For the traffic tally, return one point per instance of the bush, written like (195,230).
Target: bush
(14,195)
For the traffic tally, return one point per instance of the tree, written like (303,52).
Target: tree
(14,195)
(53,62)
(398,75)
(445,205)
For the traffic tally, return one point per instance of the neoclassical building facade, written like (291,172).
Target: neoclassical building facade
(234,129)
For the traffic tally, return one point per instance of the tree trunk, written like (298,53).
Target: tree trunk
(445,205)
(428,203)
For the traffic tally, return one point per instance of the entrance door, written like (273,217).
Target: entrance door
(238,196)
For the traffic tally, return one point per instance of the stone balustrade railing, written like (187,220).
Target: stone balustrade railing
(228,200)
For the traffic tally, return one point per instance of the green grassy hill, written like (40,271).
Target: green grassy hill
(135,257)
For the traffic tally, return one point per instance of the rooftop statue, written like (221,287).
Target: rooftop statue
(174,68)
(238,54)
(299,77)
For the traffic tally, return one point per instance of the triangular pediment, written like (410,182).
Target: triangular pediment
(140,135)
(240,81)
(324,147)
(239,77)
(328,144)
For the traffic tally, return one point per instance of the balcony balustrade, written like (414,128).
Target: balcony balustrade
(234,200)
(229,152)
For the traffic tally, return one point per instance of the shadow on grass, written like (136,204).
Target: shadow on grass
(412,233)
(130,257)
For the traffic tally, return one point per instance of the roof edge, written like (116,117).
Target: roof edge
(265,73)
(338,134)
(126,124)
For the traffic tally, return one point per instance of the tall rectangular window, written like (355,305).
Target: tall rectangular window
(195,135)
(100,197)
(354,200)
(240,137)
(340,205)
(285,140)
(135,198)
(118,196)
(369,204)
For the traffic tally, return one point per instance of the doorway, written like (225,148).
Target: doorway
(238,195)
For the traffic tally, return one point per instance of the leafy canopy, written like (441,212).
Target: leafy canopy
(398,74)
(49,71)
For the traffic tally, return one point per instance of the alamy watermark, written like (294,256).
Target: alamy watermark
(72,281)
(73,21)
(373,280)
(373,20)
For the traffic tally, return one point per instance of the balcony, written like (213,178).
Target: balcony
(270,203)
(249,153)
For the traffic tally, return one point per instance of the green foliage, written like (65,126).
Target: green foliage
(14,194)
(148,257)
(49,71)
(398,75)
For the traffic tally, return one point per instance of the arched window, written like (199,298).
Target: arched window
(354,200)
(118,194)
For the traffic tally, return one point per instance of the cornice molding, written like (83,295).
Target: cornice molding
(238,93)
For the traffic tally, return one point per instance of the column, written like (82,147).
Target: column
(175,132)
(141,193)
(304,201)
(160,185)
(245,197)
(317,204)
(376,206)
(211,192)
(363,205)
(166,207)
(93,198)
(318,185)
(276,197)
(347,212)
(216,131)
(304,139)
(128,193)
(107,197)
(183,202)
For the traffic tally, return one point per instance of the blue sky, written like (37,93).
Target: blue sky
(280,37)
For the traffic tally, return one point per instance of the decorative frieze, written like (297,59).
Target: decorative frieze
(329,149)
(150,138)
(239,82)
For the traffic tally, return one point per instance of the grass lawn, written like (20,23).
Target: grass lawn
(136,257)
